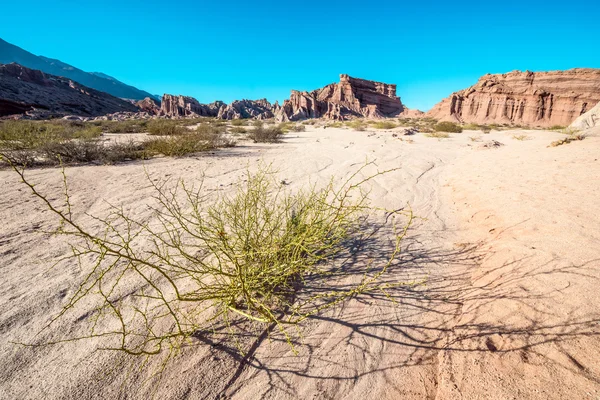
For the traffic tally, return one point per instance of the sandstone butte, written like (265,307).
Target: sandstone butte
(351,97)
(541,99)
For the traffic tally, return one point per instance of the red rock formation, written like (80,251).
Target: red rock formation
(350,97)
(40,95)
(525,98)
(149,105)
(184,106)
(257,109)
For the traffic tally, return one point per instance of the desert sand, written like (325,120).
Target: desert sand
(507,247)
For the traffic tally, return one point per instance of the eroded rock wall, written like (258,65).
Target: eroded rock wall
(527,98)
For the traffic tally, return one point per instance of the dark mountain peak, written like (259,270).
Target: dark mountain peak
(96,80)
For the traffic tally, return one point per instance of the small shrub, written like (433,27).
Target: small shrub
(261,257)
(521,137)
(238,122)
(297,128)
(566,140)
(447,126)
(166,127)
(357,125)
(131,126)
(557,127)
(262,134)
(182,145)
(438,135)
(384,125)
(237,129)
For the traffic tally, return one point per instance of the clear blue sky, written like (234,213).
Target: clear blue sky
(251,49)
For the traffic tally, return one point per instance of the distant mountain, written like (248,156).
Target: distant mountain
(41,95)
(10,53)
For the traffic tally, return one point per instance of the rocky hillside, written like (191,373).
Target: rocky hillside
(350,97)
(184,106)
(41,95)
(527,98)
(10,53)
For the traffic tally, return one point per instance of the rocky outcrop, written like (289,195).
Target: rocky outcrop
(149,105)
(350,97)
(257,109)
(526,98)
(38,95)
(588,120)
(184,106)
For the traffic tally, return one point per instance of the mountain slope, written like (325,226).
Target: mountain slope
(41,95)
(10,53)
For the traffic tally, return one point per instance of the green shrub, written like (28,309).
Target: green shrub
(262,134)
(262,256)
(447,126)
(438,135)
(182,145)
(166,127)
(238,129)
(357,125)
(384,125)
(238,122)
(131,126)
(297,128)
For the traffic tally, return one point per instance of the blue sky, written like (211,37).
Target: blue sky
(240,49)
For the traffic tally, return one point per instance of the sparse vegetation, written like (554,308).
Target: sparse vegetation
(131,126)
(237,130)
(297,128)
(438,135)
(521,137)
(357,125)
(384,125)
(238,122)
(265,134)
(447,126)
(166,127)
(567,140)
(557,128)
(262,256)
(50,143)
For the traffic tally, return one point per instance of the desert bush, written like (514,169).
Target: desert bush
(567,140)
(130,126)
(336,124)
(357,125)
(166,127)
(29,135)
(557,127)
(205,128)
(238,122)
(384,125)
(263,256)
(182,145)
(297,128)
(237,129)
(268,134)
(521,137)
(438,135)
(446,126)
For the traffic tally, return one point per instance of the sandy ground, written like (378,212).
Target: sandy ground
(508,244)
